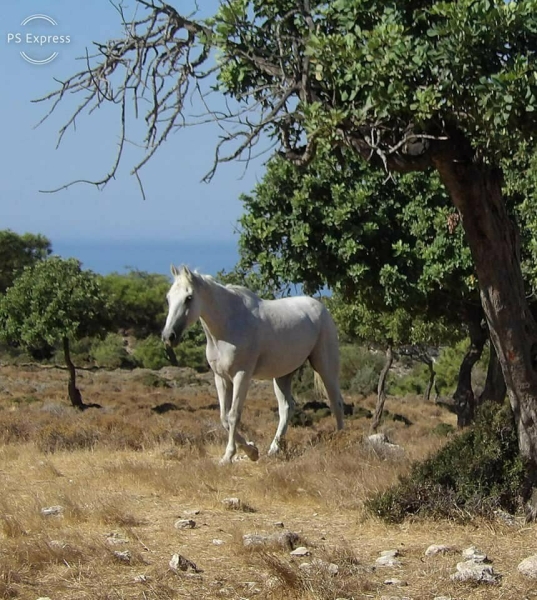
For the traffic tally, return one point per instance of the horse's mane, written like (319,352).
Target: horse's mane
(239,290)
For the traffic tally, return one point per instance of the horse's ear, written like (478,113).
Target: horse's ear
(187,273)
(174,270)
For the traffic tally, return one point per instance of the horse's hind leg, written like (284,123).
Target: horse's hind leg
(325,360)
(282,389)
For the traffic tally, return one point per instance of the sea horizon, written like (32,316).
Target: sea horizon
(154,256)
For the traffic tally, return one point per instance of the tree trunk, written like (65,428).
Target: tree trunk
(494,390)
(432,378)
(475,190)
(74,393)
(464,398)
(381,397)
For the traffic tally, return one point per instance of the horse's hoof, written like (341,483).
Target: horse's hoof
(225,460)
(273,450)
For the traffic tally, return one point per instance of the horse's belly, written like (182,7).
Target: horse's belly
(278,364)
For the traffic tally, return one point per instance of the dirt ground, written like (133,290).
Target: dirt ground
(124,474)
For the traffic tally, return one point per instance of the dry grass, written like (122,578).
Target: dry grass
(125,474)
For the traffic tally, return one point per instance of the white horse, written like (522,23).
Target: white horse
(248,337)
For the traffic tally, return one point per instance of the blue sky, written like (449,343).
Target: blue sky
(178,206)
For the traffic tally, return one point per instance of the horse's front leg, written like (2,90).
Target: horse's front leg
(241,383)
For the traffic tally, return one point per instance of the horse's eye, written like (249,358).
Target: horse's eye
(188,298)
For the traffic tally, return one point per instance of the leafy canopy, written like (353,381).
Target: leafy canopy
(52,300)
(19,251)
(389,249)
(137,301)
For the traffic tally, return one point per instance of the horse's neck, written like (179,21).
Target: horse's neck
(217,304)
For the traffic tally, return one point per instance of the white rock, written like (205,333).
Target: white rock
(52,511)
(217,542)
(124,556)
(141,578)
(388,558)
(284,539)
(185,524)
(395,581)
(434,549)
(180,563)
(528,567)
(300,551)
(479,572)
(504,516)
(378,438)
(381,442)
(232,503)
(192,512)
(333,569)
(474,554)
(115,538)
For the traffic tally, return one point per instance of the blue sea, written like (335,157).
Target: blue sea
(107,256)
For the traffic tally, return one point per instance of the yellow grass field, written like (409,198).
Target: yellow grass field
(124,474)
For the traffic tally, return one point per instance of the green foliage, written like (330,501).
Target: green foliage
(446,367)
(19,251)
(443,429)
(191,350)
(150,353)
(360,369)
(413,383)
(52,300)
(111,353)
(137,300)
(399,272)
(248,278)
(152,380)
(476,472)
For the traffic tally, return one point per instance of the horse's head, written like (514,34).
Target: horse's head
(183,305)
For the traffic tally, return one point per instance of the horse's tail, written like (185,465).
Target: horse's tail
(319,391)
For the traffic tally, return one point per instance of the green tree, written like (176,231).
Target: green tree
(391,250)
(137,301)
(19,251)
(410,86)
(54,301)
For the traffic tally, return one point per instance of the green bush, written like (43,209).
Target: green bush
(111,353)
(150,353)
(360,369)
(152,380)
(475,473)
(191,350)
(413,383)
(447,372)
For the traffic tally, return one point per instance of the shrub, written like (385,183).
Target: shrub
(191,350)
(360,369)
(447,372)
(443,429)
(152,380)
(111,353)
(150,353)
(475,473)
(68,436)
